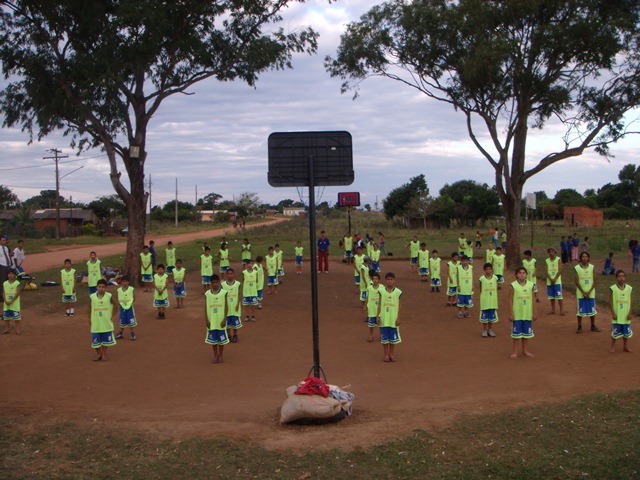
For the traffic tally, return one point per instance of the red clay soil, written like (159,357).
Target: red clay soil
(165,382)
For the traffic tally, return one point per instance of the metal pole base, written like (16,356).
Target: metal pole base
(320,371)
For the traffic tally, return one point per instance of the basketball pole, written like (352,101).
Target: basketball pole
(314,271)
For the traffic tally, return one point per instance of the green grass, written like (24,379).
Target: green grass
(595,436)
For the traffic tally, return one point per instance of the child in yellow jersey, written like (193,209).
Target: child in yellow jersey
(146,268)
(390,317)
(414,247)
(364,281)
(11,289)
(272,271)
(488,300)
(358,259)
(94,272)
(620,303)
(126,312)
(224,259)
(278,253)
(250,290)
(373,302)
(299,250)
(434,270)
(554,281)
(375,258)
(100,320)
(215,311)
(246,251)
(68,284)
(465,287)
(529,264)
(179,287)
(234,310)
(523,311)
(488,253)
(498,265)
(423,262)
(585,280)
(260,269)
(206,268)
(452,279)
(160,293)
(170,257)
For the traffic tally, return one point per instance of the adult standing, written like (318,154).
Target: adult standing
(5,260)
(323,253)
(382,243)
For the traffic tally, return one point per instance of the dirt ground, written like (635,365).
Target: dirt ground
(165,382)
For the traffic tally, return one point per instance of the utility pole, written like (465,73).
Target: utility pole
(56,158)
(176,210)
(150,203)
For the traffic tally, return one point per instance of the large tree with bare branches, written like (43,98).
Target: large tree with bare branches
(100,70)
(508,66)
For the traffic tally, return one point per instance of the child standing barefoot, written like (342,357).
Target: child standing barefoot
(11,290)
(523,311)
(234,312)
(488,300)
(68,284)
(373,302)
(390,317)
(215,319)
(585,280)
(160,293)
(452,279)
(299,250)
(554,281)
(126,312)
(179,287)
(100,320)
(146,268)
(620,302)
(465,287)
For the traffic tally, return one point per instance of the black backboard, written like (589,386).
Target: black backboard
(291,153)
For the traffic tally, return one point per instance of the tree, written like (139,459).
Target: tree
(396,203)
(45,199)
(8,199)
(568,197)
(209,201)
(247,203)
(473,201)
(108,207)
(99,71)
(508,66)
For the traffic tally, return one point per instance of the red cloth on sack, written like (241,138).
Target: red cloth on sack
(313,386)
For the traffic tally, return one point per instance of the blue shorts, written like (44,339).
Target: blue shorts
(298,260)
(69,299)
(216,337)
(19,271)
(280,272)
(249,301)
(179,290)
(435,282)
(375,266)
(414,261)
(127,318)
(621,330)
(260,295)
(347,253)
(223,269)
(147,278)
(206,279)
(500,278)
(103,339)
(587,307)
(452,291)
(92,290)
(161,303)
(234,322)
(390,335)
(489,316)
(11,315)
(272,280)
(363,295)
(554,292)
(170,269)
(423,271)
(371,321)
(522,329)
(465,300)
(357,279)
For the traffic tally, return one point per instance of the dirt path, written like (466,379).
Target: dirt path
(43,261)
(165,382)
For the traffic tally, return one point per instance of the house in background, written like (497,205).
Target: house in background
(71,220)
(294,212)
(583,217)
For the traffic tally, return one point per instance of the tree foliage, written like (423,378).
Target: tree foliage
(397,202)
(108,207)
(99,71)
(508,66)
(473,201)
(8,199)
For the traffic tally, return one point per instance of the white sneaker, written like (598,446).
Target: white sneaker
(485,333)
(490,333)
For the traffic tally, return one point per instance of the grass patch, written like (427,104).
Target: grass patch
(595,436)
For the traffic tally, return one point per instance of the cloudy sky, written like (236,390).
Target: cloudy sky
(216,139)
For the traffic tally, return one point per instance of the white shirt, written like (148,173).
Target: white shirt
(5,258)
(18,257)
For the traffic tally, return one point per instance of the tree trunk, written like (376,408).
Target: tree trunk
(137,216)
(512,220)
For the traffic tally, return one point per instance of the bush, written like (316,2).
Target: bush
(90,229)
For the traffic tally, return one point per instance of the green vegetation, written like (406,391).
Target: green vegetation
(595,436)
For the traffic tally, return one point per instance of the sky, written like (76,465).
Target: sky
(216,139)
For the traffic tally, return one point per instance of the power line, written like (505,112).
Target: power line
(45,165)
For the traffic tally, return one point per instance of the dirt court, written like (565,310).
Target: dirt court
(165,383)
